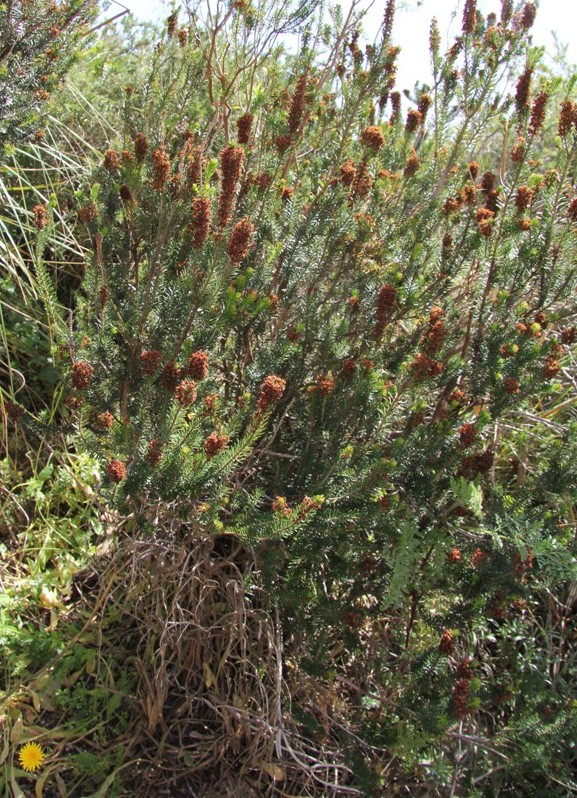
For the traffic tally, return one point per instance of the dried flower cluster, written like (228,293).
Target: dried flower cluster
(325,384)
(446,644)
(362,183)
(185,392)
(244,127)
(523,90)
(412,165)
(523,198)
(39,216)
(116,471)
(386,304)
(150,361)
(467,435)
(239,241)
(154,452)
(373,138)
(426,367)
(518,150)
(214,444)
(538,113)
(434,335)
(160,167)
(485,219)
(348,173)
(111,160)
(271,391)
(104,421)
(82,373)
(194,166)
(200,227)
(566,118)
(414,120)
(297,105)
(197,366)
(470,17)
(528,14)
(140,147)
(169,377)
(231,160)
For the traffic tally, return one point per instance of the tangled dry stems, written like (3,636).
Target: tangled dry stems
(214,708)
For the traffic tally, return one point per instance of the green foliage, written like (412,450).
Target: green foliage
(38,41)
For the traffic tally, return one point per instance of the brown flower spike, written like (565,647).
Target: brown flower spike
(197,366)
(297,105)
(40,217)
(150,361)
(111,160)
(140,147)
(201,209)
(373,138)
(154,452)
(244,127)
(271,391)
(82,373)
(239,241)
(186,392)
(160,167)
(116,471)
(231,160)
(214,444)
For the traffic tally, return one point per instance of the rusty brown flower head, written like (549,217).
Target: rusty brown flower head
(566,118)
(271,391)
(244,127)
(154,452)
(414,120)
(239,241)
(528,15)
(231,160)
(523,198)
(200,228)
(523,90)
(373,138)
(470,17)
(111,160)
(214,444)
(185,392)
(538,113)
(82,373)
(297,105)
(412,165)
(116,471)
(140,147)
(104,421)
(160,167)
(197,366)
(39,216)
(169,376)
(150,361)
(518,150)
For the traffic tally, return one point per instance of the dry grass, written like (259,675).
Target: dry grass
(214,707)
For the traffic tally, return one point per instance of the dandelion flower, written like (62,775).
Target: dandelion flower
(31,756)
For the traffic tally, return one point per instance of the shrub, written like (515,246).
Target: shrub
(332,329)
(38,41)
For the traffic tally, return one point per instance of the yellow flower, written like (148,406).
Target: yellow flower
(31,756)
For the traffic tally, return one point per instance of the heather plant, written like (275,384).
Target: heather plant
(323,351)
(38,42)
